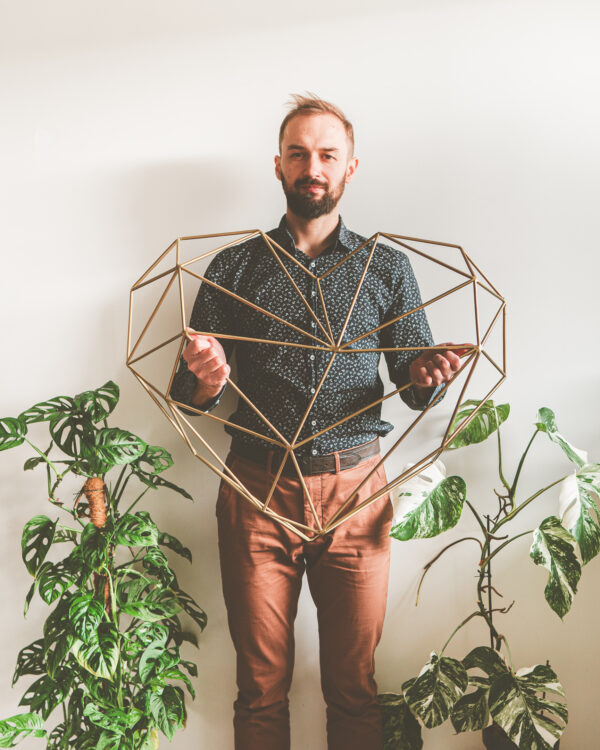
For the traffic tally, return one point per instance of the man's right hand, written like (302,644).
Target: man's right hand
(206,359)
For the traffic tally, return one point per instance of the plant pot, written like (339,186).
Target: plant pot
(495,738)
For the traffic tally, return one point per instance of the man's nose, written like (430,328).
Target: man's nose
(314,166)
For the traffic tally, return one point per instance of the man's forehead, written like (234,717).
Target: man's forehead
(325,128)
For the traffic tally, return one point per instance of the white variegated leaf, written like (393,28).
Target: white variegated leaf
(401,731)
(530,720)
(440,684)
(579,513)
(428,504)
(547,423)
(554,548)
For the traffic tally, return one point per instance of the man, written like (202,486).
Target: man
(262,563)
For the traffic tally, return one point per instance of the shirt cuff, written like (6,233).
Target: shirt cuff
(412,400)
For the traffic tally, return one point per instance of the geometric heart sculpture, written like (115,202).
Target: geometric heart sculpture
(462,305)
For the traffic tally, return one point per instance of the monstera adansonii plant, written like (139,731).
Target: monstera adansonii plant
(484,691)
(109,656)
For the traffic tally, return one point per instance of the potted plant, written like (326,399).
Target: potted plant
(109,655)
(484,691)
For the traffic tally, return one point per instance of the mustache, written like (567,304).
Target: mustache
(305,181)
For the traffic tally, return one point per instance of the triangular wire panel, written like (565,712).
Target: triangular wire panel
(156,314)
(156,365)
(490,313)
(165,263)
(199,251)
(451,257)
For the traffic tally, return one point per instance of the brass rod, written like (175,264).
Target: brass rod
(235,337)
(460,397)
(154,349)
(208,414)
(254,307)
(491,361)
(258,412)
(435,347)
(176,364)
(217,249)
(154,312)
(293,283)
(483,276)
(420,239)
(271,242)
(158,276)
(306,492)
(156,401)
(475,302)
(249,232)
(425,255)
(276,480)
(324,308)
(358,288)
(504,339)
(153,266)
(472,415)
(409,312)
(182,300)
(490,291)
(130,323)
(492,324)
(347,257)
(312,400)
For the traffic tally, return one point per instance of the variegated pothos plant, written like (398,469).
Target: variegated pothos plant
(109,656)
(484,686)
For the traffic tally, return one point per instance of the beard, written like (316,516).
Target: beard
(308,206)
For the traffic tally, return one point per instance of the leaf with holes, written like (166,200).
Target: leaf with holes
(112,447)
(94,547)
(136,530)
(36,540)
(193,610)
(98,404)
(554,548)
(155,563)
(16,728)
(45,694)
(546,422)
(100,657)
(172,543)
(115,719)
(530,720)
(54,579)
(12,432)
(154,481)
(54,407)
(30,660)
(401,731)
(437,688)
(156,457)
(168,710)
(487,420)
(71,432)
(428,505)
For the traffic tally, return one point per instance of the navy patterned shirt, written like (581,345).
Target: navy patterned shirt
(281,380)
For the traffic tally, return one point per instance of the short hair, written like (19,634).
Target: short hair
(310,104)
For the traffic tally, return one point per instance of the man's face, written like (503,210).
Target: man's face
(315,164)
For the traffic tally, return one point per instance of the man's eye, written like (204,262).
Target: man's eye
(328,156)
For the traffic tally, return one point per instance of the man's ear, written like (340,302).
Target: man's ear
(278,166)
(351,169)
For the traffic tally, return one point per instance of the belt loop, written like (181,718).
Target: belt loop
(337,462)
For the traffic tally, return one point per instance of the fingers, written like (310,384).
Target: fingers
(205,357)
(436,366)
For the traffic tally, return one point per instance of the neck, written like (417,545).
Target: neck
(312,236)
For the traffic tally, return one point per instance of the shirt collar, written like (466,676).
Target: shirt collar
(283,236)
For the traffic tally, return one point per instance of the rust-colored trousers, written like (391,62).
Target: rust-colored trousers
(262,565)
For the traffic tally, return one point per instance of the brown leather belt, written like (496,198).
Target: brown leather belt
(308,464)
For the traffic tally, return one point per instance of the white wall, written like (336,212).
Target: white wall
(126,124)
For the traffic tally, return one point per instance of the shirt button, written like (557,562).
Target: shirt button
(314,452)
(311,264)
(314,423)
(312,356)
(313,293)
(312,390)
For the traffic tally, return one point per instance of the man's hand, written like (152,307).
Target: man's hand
(206,359)
(436,366)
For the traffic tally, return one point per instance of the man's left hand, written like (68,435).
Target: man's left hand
(435,366)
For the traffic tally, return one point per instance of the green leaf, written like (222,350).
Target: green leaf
(116,720)
(546,423)
(173,673)
(531,721)
(156,563)
(136,530)
(45,694)
(554,548)
(65,535)
(168,710)
(98,404)
(152,610)
(34,461)
(192,608)
(59,405)
(36,540)
(102,656)
(57,624)
(30,660)
(154,481)
(426,511)
(56,656)
(94,546)
(16,728)
(29,597)
(151,632)
(113,447)
(487,419)
(193,669)
(401,731)
(172,543)
(12,432)
(486,659)
(579,512)
(54,579)
(71,432)
(438,687)
(470,712)
(86,613)
(156,457)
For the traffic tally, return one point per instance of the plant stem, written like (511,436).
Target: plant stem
(477,517)
(439,554)
(115,492)
(462,624)
(136,501)
(42,454)
(513,490)
(508,541)
(500,472)
(525,503)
